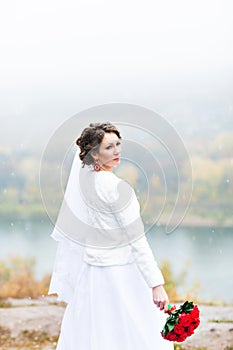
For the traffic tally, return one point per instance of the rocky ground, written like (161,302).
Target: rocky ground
(34,324)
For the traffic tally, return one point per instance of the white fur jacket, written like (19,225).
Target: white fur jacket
(115,213)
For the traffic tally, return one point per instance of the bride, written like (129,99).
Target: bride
(104,268)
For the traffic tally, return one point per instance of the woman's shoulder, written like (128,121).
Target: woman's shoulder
(106,173)
(107,177)
(112,188)
(106,184)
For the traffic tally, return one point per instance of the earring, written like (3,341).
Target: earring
(96,166)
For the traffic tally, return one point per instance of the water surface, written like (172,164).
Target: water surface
(206,253)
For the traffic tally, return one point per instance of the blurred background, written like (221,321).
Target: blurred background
(174,57)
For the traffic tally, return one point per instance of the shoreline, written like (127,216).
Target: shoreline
(196,221)
(188,221)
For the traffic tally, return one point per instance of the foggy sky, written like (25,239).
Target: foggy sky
(61,57)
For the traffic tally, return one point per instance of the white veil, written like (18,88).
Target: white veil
(73,207)
(69,264)
(83,200)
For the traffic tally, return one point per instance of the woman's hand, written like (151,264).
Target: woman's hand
(160,297)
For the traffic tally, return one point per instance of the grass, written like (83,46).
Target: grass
(5,304)
(221,321)
(26,340)
(180,347)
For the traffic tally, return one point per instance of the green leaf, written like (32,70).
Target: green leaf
(187,307)
(170,327)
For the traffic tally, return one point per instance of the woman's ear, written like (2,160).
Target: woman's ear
(94,155)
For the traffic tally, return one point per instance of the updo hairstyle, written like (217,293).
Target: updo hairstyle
(91,138)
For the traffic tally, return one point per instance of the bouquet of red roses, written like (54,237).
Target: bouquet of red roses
(182,322)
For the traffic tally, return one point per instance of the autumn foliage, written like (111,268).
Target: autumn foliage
(17,279)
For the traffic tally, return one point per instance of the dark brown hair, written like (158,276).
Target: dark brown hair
(91,138)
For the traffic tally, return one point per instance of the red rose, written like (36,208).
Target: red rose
(172,336)
(196,323)
(169,311)
(181,337)
(181,316)
(178,329)
(191,327)
(195,312)
(184,336)
(190,332)
(185,320)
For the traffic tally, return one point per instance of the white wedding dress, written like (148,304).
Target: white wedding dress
(108,294)
(109,307)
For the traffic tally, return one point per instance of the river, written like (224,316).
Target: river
(205,253)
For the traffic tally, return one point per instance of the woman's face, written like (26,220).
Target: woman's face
(109,151)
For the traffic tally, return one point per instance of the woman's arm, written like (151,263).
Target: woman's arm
(148,267)
(146,262)
(160,297)
(125,209)
(127,214)
(150,271)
